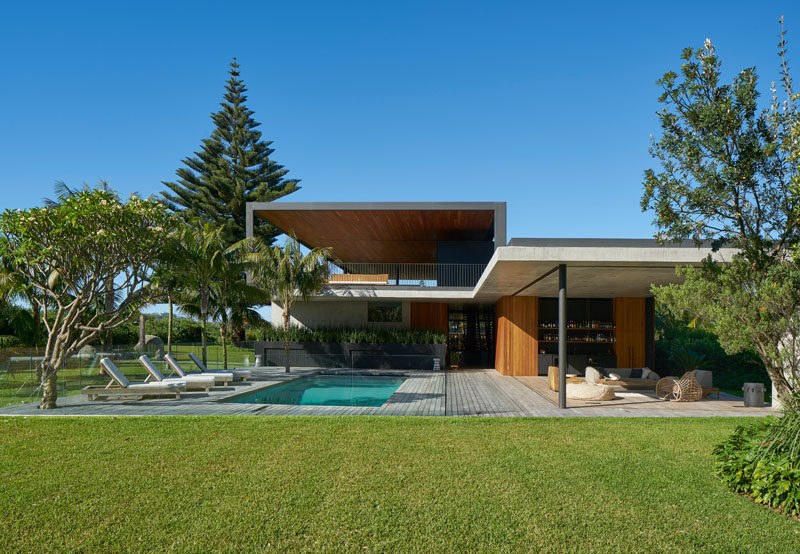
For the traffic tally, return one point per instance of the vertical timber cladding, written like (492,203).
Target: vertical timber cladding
(429,315)
(517,351)
(629,317)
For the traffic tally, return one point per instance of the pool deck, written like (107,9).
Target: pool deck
(424,393)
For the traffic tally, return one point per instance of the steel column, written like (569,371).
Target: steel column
(562,336)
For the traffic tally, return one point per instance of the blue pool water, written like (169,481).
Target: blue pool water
(328,390)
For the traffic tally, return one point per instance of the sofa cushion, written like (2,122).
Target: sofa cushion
(704,378)
(614,376)
(636,373)
(648,373)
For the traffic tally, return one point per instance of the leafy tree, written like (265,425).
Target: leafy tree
(233,167)
(290,275)
(70,252)
(729,174)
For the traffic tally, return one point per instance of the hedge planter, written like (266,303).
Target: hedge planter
(351,355)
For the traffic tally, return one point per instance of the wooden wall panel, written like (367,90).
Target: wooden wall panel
(629,316)
(429,315)
(387,236)
(517,349)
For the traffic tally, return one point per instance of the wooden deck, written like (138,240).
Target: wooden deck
(424,393)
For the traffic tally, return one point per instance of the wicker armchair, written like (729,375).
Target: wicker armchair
(685,389)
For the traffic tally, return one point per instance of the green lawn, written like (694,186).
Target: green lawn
(374,484)
(18,383)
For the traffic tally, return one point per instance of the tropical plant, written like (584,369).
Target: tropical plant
(689,360)
(228,294)
(166,278)
(71,253)
(15,287)
(197,257)
(762,460)
(730,174)
(289,275)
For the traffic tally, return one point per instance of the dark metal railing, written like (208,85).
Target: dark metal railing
(419,275)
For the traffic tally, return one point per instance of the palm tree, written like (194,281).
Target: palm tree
(166,279)
(290,275)
(228,295)
(197,260)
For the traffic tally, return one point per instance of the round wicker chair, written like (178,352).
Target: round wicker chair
(665,388)
(685,389)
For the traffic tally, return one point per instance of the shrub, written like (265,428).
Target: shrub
(359,335)
(183,330)
(7,341)
(762,460)
(678,347)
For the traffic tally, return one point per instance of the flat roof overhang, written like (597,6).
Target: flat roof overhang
(384,232)
(596,268)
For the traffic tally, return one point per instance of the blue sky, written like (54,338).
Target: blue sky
(546,106)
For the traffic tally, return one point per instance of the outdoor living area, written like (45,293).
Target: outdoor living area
(645,398)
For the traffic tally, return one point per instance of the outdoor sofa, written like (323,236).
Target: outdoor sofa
(220,377)
(120,387)
(193,382)
(628,377)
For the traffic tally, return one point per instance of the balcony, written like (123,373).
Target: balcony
(409,275)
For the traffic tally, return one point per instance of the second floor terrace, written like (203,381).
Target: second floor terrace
(400,244)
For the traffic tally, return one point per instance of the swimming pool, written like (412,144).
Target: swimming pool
(327,390)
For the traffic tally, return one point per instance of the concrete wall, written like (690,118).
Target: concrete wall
(341,313)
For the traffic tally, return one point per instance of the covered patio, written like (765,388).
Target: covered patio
(533,281)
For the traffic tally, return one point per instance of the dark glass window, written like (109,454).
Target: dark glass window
(384,312)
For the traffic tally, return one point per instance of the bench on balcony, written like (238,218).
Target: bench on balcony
(358,279)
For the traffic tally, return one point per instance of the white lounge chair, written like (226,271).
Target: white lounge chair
(193,382)
(125,388)
(220,377)
(238,374)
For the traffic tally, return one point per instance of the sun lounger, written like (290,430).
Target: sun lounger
(193,382)
(238,374)
(125,388)
(220,377)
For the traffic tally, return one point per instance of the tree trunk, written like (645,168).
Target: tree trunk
(49,387)
(169,325)
(203,337)
(223,334)
(286,334)
(142,337)
(109,307)
(237,329)
(37,324)
(204,317)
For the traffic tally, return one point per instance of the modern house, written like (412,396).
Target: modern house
(449,266)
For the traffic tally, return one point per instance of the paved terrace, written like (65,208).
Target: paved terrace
(424,393)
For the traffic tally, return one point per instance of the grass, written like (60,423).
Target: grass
(18,384)
(374,484)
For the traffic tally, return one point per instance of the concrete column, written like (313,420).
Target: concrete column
(562,336)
